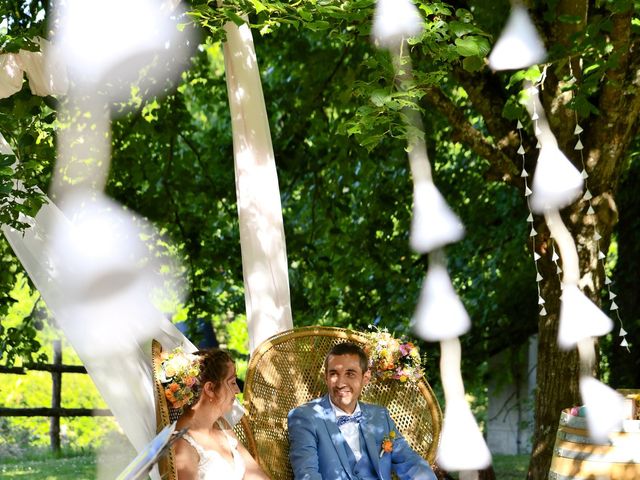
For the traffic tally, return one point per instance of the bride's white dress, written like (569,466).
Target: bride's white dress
(212,466)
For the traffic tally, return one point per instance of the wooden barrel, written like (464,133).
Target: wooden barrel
(577,457)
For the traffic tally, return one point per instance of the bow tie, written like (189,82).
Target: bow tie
(344,419)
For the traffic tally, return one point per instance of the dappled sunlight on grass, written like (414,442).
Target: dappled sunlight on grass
(510,467)
(70,465)
(77,468)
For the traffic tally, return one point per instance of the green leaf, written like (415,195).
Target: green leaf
(7,160)
(472,46)
(512,110)
(473,64)
(318,25)
(259,6)
(380,97)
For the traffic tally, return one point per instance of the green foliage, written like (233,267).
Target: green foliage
(21,21)
(20,326)
(338,130)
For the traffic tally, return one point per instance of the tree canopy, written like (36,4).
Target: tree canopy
(339,139)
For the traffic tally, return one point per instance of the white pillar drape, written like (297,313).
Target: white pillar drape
(264,256)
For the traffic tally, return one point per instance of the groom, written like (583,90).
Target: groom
(338,438)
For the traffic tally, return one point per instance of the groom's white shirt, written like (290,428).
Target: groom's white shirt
(350,431)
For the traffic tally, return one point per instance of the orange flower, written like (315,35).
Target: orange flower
(387,443)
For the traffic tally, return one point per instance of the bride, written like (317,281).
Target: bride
(203,386)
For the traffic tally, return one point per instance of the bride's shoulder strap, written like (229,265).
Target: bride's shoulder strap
(191,441)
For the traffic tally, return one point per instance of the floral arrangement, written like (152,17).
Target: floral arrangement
(179,376)
(390,358)
(387,443)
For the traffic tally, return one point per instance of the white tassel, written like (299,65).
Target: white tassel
(605,408)
(118,43)
(519,45)
(107,275)
(580,318)
(440,315)
(395,21)
(462,446)
(433,224)
(556,182)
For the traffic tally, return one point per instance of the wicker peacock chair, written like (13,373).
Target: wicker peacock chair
(287,370)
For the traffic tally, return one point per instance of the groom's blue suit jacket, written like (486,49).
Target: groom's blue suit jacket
(318,451)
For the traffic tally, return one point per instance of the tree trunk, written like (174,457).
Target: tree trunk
(556,374)
(558,371)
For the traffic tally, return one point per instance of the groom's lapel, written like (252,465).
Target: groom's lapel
(335,435)
(368,427)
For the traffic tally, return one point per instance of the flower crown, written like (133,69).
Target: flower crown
(179,376)
(390,358)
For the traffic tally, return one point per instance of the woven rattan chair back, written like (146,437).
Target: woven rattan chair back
(287,370)
(166,415)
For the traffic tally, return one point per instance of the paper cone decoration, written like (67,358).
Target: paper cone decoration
(604,406)
(440,314)
(519,45)
(556,182)
(106,274)
(433,224)
(101,251)
(119,43)
(580,318)
(462,446)
(395,20)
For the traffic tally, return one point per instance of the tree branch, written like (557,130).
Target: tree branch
(502,166)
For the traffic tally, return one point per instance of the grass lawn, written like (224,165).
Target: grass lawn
(83,467)
(75,466)
(510,467)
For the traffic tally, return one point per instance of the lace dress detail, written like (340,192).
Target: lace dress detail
(213,466)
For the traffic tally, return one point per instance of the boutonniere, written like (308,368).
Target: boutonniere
(387,443)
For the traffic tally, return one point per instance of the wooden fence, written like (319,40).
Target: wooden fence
(55,412)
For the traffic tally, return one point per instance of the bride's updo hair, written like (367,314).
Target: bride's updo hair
(183,375)
(214,366)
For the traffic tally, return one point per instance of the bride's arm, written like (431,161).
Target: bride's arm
(254,471)
(187,460)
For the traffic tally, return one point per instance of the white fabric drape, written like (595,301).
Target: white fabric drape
(124,379)
(42,81)
(264,256)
